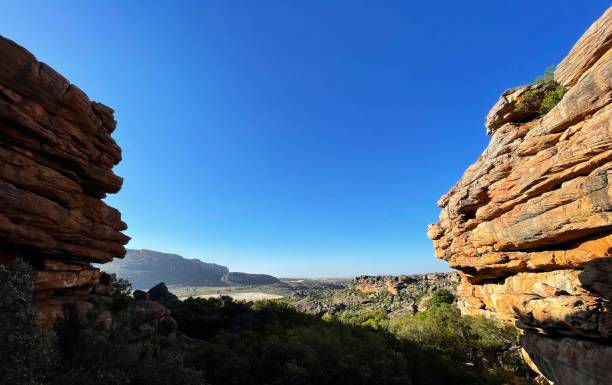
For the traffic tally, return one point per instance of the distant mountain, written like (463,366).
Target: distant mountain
(146,268)
(236,278)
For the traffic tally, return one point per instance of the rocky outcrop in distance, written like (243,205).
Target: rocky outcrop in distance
(145,268)
(395,284)
(237,278)
(529,225)
(396,295)
(57,156)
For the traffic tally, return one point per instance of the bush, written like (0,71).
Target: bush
(372,318)
(548,94)
(269,342)
(28,353)
(551,99)
(476,341)
(123,286)
(441,296)
(122,297)
(114,358)
(547,81)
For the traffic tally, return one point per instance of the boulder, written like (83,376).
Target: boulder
(161,293)
(140,294)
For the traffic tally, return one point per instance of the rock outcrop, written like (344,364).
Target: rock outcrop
(529,225)
(395,284)
(57,156)
(240,279)
(145,268)
(395,295)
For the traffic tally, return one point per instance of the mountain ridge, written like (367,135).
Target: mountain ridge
(145,268)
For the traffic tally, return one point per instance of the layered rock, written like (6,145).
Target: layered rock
(529,225)
(395,284)
(56,161)
(395,295)
(408,293)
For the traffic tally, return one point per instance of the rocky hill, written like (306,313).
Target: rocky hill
(237,278)
(529,225)
(396,295)
(145,268)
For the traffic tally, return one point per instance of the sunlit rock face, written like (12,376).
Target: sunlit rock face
(56,161)
(529,225)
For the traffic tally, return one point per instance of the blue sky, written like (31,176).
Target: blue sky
(297,138)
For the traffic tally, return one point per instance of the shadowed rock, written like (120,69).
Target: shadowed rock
(57,157)
(161,293)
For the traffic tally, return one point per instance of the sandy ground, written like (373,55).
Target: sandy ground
(241,296)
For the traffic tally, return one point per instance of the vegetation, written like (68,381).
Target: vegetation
(491,348)
(28,354)
(551,99)
(471,340)
(121,298)
(548,94)
(237,278)
(222,342)
(123,286)
(441,297)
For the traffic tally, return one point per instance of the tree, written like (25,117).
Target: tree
(28,353)
(441,296)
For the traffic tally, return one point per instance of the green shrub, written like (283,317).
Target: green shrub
(28,353)
(122,297)
(123,286)
(551,99)
(114,357)
(272,343)
(547,81)
(526,100)
(441,296)
(549,91)
(228,343)
(478,341)
(372,318)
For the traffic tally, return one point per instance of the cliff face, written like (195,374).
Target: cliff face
(145,268)
(529,225)
(56,160)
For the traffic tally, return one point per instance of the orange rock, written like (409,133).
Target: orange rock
(529,225)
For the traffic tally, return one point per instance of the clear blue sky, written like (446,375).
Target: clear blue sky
(297,138)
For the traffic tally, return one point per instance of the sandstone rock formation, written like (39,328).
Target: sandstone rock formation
(394,285)
(395,295)
(529,225)
(410,293)
(56,156)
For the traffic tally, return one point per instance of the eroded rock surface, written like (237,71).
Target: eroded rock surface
(395,284)
(529,225)
(56,161)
